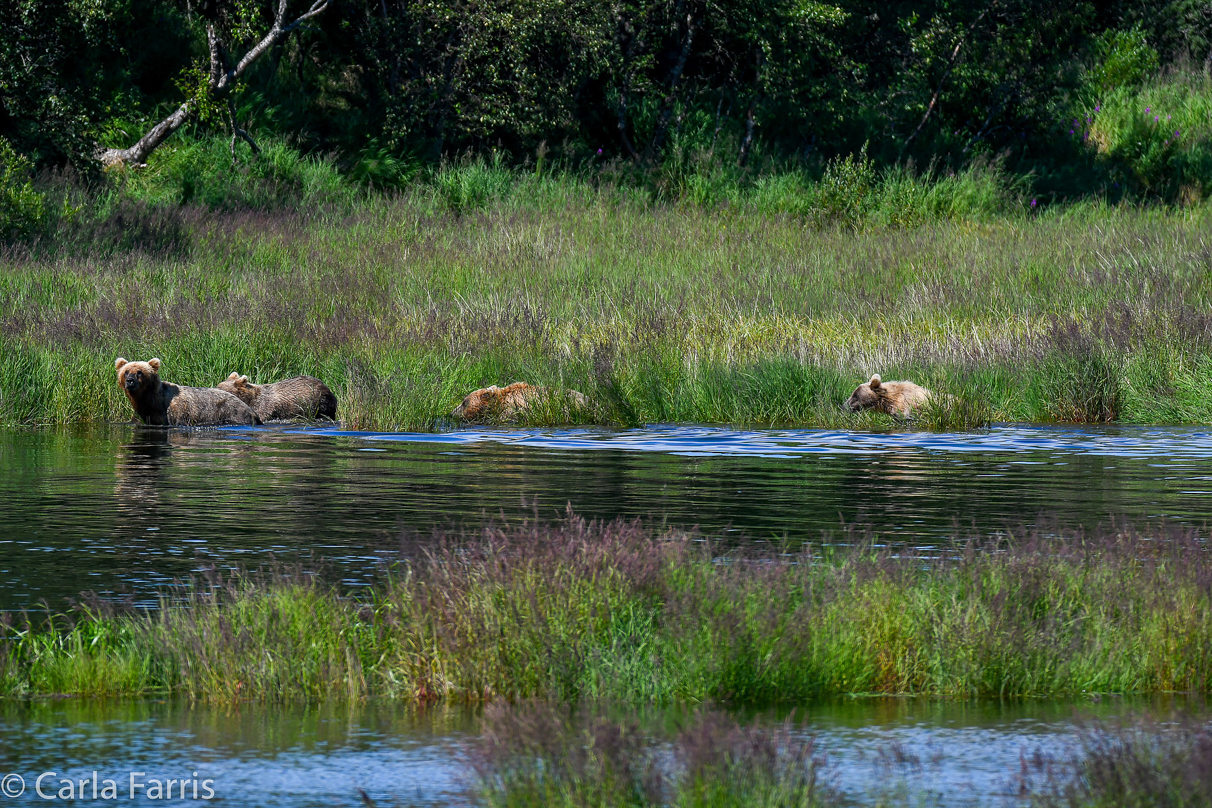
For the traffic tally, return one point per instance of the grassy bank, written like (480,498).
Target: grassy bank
(741,313)
(580,611)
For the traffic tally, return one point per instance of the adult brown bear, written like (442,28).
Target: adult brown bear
(161,403)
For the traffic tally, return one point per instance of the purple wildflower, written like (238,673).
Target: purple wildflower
(599,151)
(1097,107)
(1155,117)
(1032,203)
(1148,109)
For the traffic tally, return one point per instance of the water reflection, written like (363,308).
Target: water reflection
(943,752)
(125,510)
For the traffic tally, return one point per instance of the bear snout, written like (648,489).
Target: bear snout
(132,382)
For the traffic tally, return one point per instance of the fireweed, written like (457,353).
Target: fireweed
(658,314)
(578,611)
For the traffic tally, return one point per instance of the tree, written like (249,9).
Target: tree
(215,90)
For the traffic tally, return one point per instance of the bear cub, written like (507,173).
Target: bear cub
(892,398)
(161,403)
(507,403)
(289,399)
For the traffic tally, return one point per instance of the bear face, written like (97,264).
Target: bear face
(138,379)
(867,396)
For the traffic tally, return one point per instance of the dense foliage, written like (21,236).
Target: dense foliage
(631,85)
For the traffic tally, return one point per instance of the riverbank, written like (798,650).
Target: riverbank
(667,314)
(582,611)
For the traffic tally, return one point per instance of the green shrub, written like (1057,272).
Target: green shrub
(1155,139)
(472,185)
(202,172)
(1122,59)
(845,191)
(23,210)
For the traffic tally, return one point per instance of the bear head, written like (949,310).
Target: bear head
(240,387)
(867,396)
(138,378)
(474,403)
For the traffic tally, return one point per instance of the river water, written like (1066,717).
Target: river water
(123,510)
(932,752)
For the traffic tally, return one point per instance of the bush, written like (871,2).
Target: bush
(845,191)
(472,185)
(202,172)
(23,210)
(1155,139)
(1122,59)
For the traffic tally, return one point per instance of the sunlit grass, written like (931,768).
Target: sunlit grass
(657,312)
(579,611)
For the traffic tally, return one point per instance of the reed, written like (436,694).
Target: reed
(579,611)
(658,311)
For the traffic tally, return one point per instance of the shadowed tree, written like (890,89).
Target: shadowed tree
(224,24)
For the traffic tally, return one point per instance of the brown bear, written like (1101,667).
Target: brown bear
(161,403)
(298,397)
(507,403)
(893,398)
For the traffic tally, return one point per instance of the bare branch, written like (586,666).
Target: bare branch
(138,153)
(959,44)
(237,132)
(220,83)
(675,75)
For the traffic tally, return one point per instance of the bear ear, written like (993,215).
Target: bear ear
(233,376)
(875,381)
(155,364)
(244,379)
(118,363)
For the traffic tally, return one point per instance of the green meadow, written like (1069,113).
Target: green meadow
(749,311)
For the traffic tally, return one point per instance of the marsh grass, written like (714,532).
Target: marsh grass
(579,611)
(537,754)
(1140,763)
(744,313)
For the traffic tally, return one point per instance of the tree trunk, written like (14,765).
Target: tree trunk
(220,82)
(662,125)
(138,153)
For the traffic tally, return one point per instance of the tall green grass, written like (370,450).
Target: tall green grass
(583,611)
(767,307)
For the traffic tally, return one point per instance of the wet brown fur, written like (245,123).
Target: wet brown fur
(161,403)
(506,403)
(892,398)
(289,399)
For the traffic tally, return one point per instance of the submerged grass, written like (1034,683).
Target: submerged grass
(656,312)
(587,611)
(538,755)
(1144,763)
